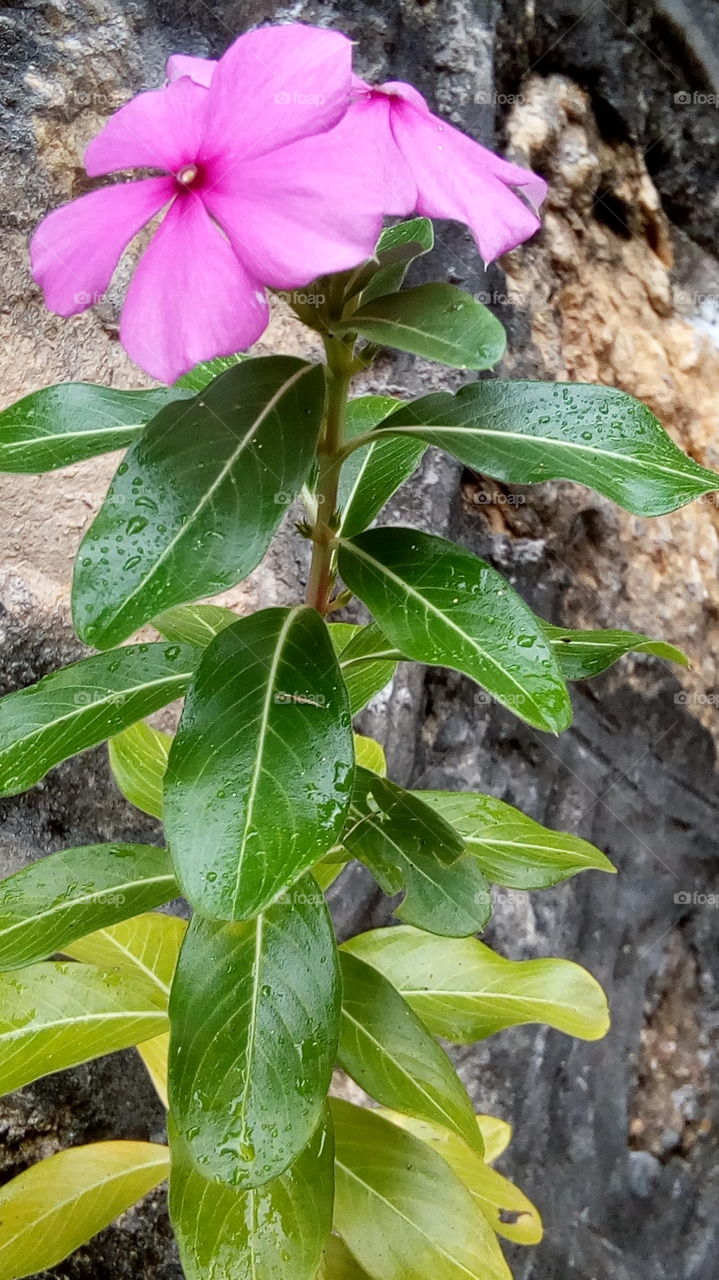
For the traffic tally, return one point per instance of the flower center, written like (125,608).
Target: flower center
(188,175)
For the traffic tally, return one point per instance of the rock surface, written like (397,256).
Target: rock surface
(613,102)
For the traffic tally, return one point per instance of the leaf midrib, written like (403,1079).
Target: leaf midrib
(189,524)
(572,446)
(353,548)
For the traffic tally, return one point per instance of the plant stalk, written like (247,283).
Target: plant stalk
(339,374)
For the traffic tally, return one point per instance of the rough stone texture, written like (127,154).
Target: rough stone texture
(615,1141)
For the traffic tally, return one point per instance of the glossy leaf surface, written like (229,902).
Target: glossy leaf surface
(527,432)
(271,1232)
(70,893)
(254,1017)
(440,604)
(259,775)
(84,704)
(406,848)
(193,507)
(437,321)
(61,425)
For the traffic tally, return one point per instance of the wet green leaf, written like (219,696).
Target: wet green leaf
(61,897)
(440,604)
(62,425)
(260,771)
(527,432)
(371,475)
(84,704)
(583,654)
(437,321)
(193,506)
(273,1232)
(407,846)
(367,661)
(254,1018)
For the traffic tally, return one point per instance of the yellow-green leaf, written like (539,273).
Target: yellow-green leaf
(370,754)
(138,759)
(52,1208)
(56,1015)
(464,991)
(505,1207)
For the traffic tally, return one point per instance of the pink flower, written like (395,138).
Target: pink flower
(432,169)
(261,190)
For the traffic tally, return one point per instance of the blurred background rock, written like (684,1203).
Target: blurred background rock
(615,102)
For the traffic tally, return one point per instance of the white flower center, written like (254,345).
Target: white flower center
(187,174)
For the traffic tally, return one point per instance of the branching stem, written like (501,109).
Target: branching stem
(339,370)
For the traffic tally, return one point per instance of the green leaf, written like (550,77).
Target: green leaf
(260,771)
(61,897)
(370,754)
(196,624)
(583,654)
(82,705)
(338,1263)
(138,760)
(147,946)
(397,247)
(273,1232)
(193,507)
(437,321)
(60,1203)
(203,374)
(464,992)
(440,604)
(385,1048)
(367,661)
(254,1017)
(512,849)
(56,1015)
(401,1209)
(371,475)
(407,848)
(74,421)
(509,1212)
(527,432)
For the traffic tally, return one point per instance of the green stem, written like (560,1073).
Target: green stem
(339,373)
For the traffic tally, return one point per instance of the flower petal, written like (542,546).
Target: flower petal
(305,210)
(370,116)
(190,299)
(275,85)
(459,179)
(201,70)
(160,129)
(75,250)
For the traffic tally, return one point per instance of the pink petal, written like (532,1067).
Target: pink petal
(308,209)
(275,85)
(75,250)
(370,117)
(161,129)
(190,299)
(201,70)
(459,179)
